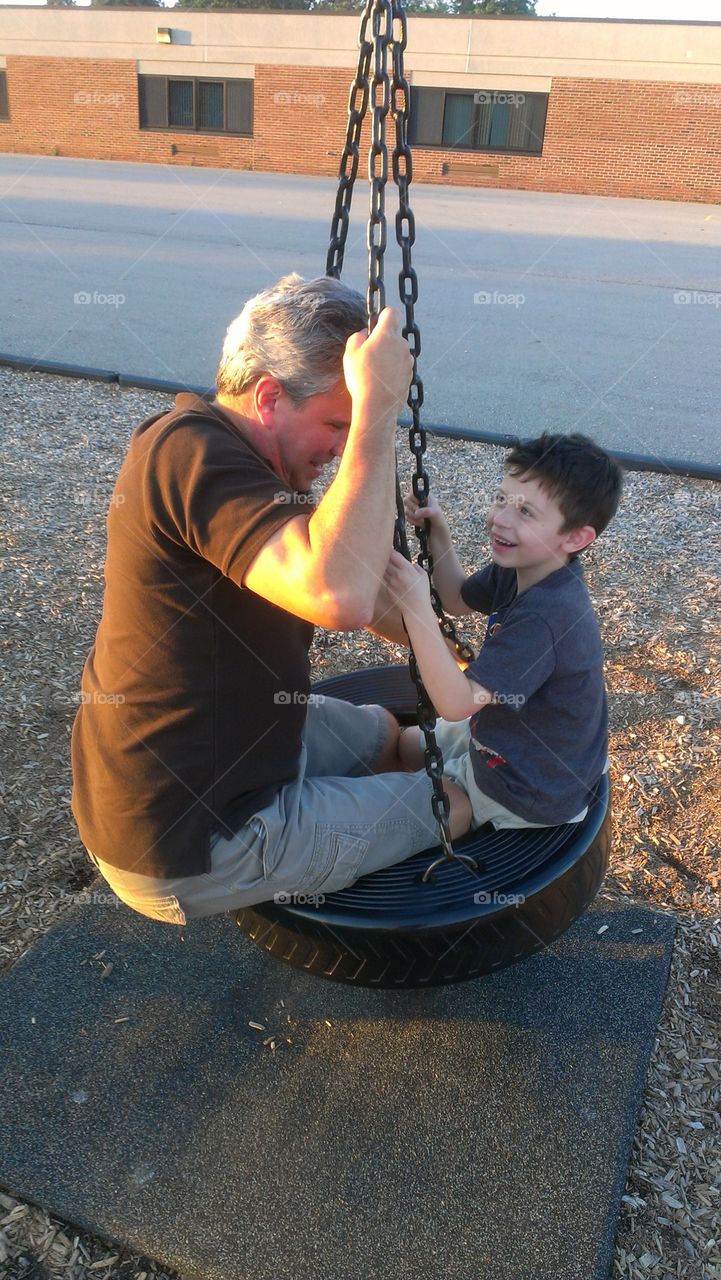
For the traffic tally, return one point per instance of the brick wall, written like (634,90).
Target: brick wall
(300,119)
(603,137)
(73,107)
(608,137)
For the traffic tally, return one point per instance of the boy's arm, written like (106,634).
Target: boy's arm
(448,573)
(454,695)
(387,622)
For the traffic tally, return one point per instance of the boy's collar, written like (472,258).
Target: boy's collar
(573,564)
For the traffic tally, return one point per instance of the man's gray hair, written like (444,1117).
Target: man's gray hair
(296,332)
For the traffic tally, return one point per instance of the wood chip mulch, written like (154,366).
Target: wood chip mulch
(654,580)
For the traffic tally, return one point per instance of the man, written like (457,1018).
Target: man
(206,776)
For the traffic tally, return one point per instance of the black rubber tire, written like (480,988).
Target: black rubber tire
(388,930)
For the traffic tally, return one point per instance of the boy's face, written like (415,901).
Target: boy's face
(525,517)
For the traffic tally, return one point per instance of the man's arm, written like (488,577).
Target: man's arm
(328,567)
(387,620)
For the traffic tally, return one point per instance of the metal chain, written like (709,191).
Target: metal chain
(408,293)
(382,29)
(389,29)
(357,108)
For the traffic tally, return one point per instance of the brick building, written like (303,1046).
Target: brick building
(592,106)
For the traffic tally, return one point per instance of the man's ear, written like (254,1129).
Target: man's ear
(266,393)
(579,539)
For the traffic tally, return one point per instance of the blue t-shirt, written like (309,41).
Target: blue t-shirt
(541,748)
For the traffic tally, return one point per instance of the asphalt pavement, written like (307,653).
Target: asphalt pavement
(537,311)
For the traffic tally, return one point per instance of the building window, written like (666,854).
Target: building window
(490,120)
(202,106)
(4,105)
(181,94)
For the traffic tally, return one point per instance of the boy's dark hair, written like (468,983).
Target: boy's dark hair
(584,480)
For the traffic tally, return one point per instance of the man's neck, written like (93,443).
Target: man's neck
(236,410)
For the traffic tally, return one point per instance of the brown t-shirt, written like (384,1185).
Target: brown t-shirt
(194,693)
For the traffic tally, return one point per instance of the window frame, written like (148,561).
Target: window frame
(196,129)
(5,94)
(469,147)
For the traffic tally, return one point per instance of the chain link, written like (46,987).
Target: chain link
(408,291)
(382,29)
(357,108)
(389,30)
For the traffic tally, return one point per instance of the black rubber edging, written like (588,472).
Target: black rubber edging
(629,461)
(26,364)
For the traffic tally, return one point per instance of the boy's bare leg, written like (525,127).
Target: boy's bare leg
(405,751)
(461,813)
(389,761)
(411,749)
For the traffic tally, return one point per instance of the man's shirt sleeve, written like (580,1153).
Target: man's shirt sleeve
(218,497)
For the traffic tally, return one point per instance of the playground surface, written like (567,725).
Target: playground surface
(654,579)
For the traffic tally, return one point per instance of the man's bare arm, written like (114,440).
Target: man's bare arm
(387,622)
(328,567)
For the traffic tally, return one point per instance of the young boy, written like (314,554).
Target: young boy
(524,729)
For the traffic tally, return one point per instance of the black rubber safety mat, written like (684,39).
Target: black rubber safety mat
(478,1130)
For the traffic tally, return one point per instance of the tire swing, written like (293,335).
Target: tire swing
(446,914)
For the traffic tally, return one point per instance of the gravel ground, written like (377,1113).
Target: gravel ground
(654,580)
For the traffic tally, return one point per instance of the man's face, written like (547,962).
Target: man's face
(310,435)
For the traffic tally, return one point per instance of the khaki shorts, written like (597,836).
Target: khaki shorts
(454,740)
